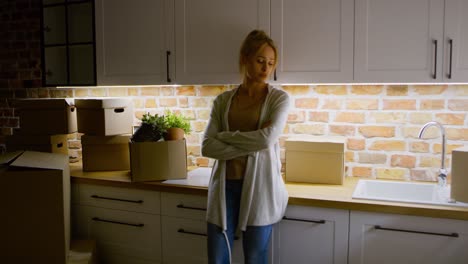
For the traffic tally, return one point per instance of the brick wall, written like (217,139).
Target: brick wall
(380,122)
(20,56)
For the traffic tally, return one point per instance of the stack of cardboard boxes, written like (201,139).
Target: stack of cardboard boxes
(107,126)
(36,187)
(44,125)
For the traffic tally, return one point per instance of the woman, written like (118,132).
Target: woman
(246,191)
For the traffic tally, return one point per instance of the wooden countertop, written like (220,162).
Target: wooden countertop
(320,195)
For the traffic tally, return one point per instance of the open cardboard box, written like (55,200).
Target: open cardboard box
(35,195)
(156,161)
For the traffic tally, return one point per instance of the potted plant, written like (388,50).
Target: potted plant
(152,128)
(154,159)
(176,126)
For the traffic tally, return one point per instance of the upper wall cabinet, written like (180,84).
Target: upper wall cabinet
(405,41)
(314,39)
(208,36)
(456,41)
(134,42)
(68,43)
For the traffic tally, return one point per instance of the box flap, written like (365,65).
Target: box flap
(41,160)
(461,149)
(101,140)
(44,103)
(103,103)
(8,157)
(315,143)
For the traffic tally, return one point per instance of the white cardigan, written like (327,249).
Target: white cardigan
(264,195)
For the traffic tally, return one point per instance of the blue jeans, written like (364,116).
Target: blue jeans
(255,239)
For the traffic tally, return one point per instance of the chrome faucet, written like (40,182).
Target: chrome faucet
(442,178)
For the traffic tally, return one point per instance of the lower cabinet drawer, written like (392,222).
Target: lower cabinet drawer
(121,236)
(184,240)
(133,200)
(183,205)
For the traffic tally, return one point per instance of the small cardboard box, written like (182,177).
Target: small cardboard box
(155,161)
(35,191)
(105,117)
(82,252)
(41,143)
(459,184)
(311,159)
(46,116)
(105,153)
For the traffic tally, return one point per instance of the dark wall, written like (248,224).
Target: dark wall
(20,56)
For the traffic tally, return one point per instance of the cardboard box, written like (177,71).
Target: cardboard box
(35,195)
(311,159)
(459,182)
(41,143)
(105,117)
(155,161)
(82,252)
(46,116)
(105,153)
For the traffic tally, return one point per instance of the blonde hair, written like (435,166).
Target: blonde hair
(255,41)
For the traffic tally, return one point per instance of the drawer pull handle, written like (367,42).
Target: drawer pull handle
(416,232)
(116,199)
(303,220)
(117,222)
(190,207)
(181,230)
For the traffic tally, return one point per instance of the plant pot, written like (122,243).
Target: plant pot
(174,133)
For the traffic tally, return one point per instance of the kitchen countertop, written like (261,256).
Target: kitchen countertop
(320,195)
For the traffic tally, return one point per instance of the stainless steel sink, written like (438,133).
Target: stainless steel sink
(406,192)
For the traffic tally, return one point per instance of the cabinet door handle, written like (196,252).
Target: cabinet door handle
(181,230)
(190,207)
(168,53)
(415,232)
(449,75)
(434,75)
(116,222)
(274,76)
(304,220)
(116,199)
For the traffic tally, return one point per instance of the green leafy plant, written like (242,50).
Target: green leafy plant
(175,120)
(152,128)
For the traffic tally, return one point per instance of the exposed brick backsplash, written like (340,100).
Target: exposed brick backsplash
(380,122)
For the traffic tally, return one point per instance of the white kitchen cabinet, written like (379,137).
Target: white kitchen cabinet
(314,39)
(312,235)
(208,36)
(398,40)
(456,41)
(135,42)
(184,230)
(411,41)
(125,223)
(389,238)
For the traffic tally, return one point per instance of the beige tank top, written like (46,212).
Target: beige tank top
(243,116)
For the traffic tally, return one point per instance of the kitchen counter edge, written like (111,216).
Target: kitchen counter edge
(318,195)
